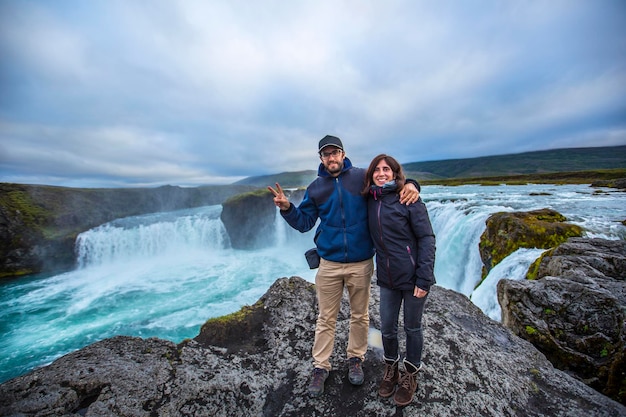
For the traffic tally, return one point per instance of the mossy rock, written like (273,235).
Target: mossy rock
(249,219)
(261,194)
(533,269)
(241,331)
(507,232)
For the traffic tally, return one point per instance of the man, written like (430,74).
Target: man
(346,251)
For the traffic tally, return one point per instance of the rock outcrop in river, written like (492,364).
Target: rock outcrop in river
(257,363)
(506,232)
(249,217)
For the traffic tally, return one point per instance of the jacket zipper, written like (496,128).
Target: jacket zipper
(343,220)
(382,242)
(408,249)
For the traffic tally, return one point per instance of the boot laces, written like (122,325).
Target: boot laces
(389,372)
(405,381)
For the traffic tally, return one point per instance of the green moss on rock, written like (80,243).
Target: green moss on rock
(531,330)
(245,197)
(533,269)
(239,331)
(507,232)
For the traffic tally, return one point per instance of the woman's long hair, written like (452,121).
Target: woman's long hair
(393,164)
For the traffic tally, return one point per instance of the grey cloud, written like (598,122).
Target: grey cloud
(194,91)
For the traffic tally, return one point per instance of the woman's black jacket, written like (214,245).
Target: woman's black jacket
(404,241)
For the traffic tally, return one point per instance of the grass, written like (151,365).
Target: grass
(574,177)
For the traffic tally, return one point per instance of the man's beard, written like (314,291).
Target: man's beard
(336,168)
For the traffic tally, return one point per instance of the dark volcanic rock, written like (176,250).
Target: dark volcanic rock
(591,258)
(575,311)
(473,366)
(249,217)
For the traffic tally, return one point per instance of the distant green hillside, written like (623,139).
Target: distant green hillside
(541,163)
(285,179)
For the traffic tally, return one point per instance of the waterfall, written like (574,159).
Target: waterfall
(280,228)
(286,236)
(152,235)
(513,266)
(457,231)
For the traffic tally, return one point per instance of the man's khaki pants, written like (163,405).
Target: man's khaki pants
(329,283)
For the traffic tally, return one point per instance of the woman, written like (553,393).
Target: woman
(405,259)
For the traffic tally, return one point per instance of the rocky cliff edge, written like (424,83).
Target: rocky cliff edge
(257,363)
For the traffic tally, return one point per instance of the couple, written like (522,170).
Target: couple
(362,213)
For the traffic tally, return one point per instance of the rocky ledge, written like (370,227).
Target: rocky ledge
(575,311)
(257,363)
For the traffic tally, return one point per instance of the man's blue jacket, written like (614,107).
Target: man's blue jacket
(343,233)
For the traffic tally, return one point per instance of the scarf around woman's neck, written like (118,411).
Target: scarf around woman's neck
(387,187)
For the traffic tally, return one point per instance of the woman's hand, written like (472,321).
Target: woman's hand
(419,293)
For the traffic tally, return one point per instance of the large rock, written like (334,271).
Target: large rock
(575,311)
(257,363)
(249,217)
(506,232)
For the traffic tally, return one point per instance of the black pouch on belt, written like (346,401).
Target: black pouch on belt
(312,258)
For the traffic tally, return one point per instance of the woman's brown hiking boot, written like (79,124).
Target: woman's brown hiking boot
(407,385)
(390,378)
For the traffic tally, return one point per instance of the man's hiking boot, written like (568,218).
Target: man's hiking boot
(407,384)
(390,378)
(355,371)
(316,387)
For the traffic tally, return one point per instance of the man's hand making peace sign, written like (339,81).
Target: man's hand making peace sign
(280,199)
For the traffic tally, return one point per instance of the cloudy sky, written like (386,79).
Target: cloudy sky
(107,93)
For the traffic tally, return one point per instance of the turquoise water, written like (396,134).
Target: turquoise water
(165,274)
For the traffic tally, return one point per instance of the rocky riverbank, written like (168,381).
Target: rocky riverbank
(257,363)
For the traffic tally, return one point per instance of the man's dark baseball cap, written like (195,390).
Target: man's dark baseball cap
(329,140)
